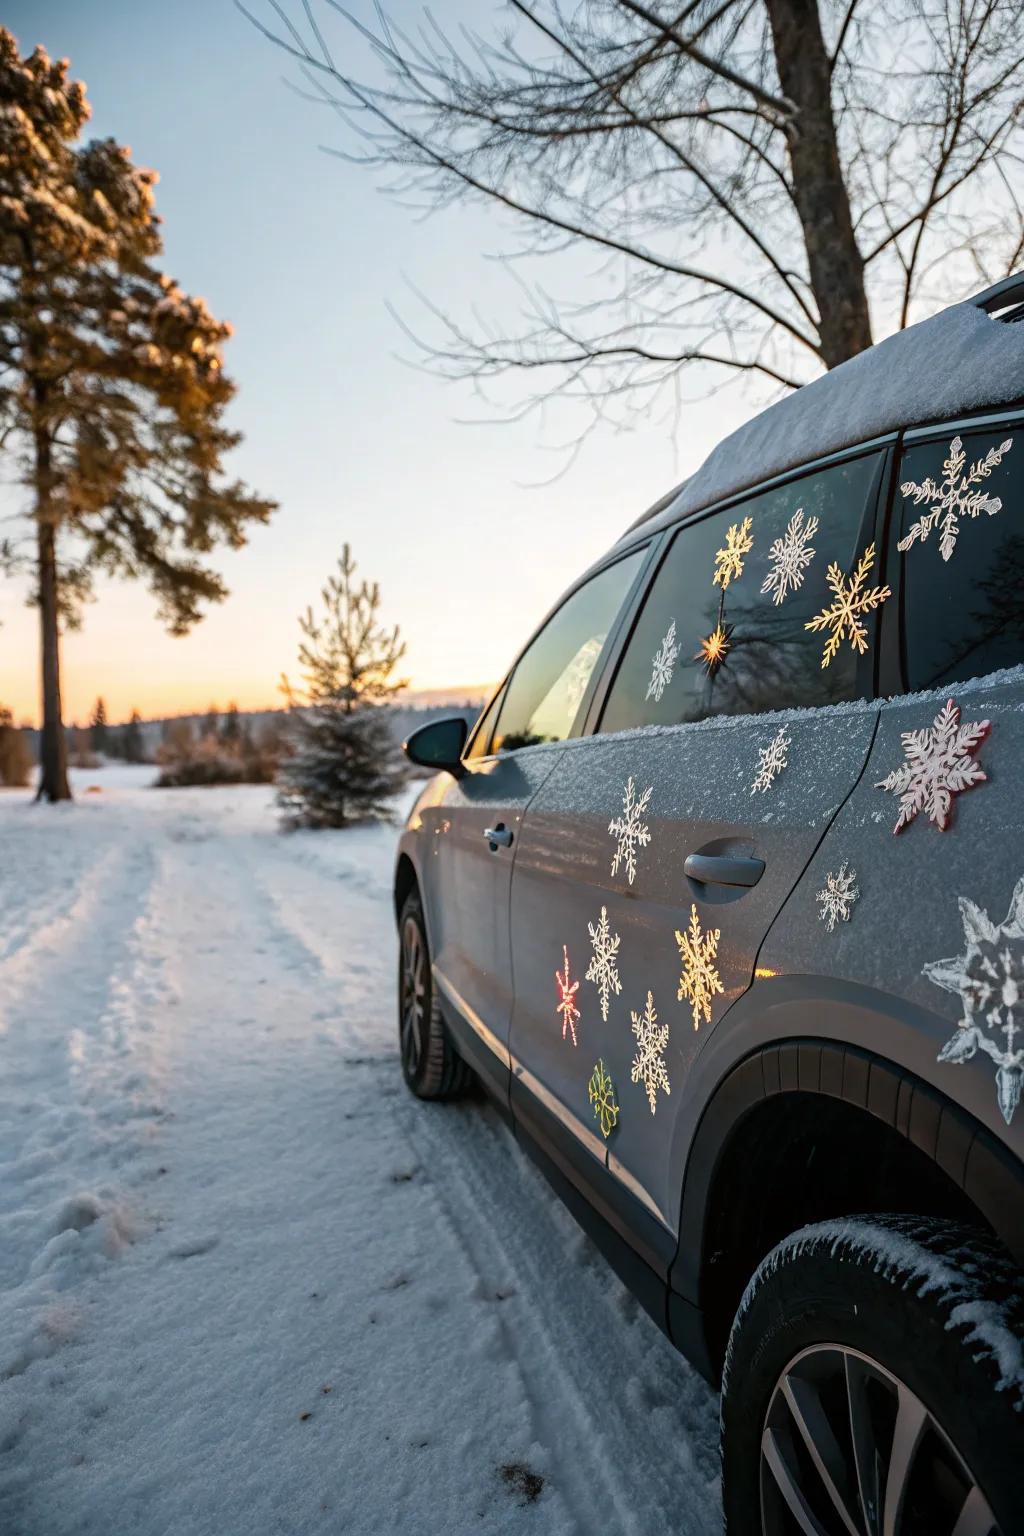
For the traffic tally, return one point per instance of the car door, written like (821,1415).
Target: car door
(656,854)
(477,827)
(927,949)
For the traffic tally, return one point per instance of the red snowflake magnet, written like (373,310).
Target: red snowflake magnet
(939,764)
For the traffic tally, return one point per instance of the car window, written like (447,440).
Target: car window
(551,677)
(962,543)
(724,629)
(480,744)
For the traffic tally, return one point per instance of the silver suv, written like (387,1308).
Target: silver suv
(723,902)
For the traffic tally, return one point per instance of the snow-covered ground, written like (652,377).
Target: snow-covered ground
(247,1284)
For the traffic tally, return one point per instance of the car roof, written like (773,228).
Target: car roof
(960,361)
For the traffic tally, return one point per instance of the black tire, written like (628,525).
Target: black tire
(430,1064)
(918,1324)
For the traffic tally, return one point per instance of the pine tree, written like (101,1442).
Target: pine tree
(346,765)
(98,728)
(231,728)
(112,393)
(134,747)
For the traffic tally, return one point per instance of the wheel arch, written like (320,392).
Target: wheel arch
(812,1129)
(406,880)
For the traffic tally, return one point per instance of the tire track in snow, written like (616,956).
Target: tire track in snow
(591,1361)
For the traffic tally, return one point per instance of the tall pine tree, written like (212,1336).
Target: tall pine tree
(346,765)
(112,391)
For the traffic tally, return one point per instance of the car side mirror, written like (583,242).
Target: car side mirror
(439,746)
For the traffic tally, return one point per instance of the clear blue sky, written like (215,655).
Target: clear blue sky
(300,251)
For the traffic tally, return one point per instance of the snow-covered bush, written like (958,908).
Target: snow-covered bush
(16,758)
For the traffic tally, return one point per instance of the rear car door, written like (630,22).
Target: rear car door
(656,854)
(477,827)
(927,954)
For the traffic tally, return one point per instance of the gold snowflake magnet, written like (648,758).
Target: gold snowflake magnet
(601,1093)
(729,561)
(843,618)
(700,980)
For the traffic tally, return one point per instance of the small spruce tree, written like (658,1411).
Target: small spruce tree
(16,760)
(134,746)
(345,766)
(98,732)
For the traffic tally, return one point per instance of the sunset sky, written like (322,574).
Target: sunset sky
(301,252)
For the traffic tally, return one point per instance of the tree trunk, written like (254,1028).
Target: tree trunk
(53,778)
(823,206)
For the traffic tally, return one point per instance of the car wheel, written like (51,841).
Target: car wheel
(873,1385)
(430,1064)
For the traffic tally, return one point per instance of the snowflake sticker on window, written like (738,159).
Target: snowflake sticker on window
(700,980)
(567,990)
(632,833)
(663,665)
(714,647)
(771,760)
(837,897)
(790,556)
(601,1093)
(729,561)
(958,494)
(844,617)
(649,1062)
(989,980)
(602,970)
(939,764)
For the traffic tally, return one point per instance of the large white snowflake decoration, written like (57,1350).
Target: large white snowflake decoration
(663,665)
(602,970)
(790,556)
(649,1062)
(630,830)
(989,979)
(851,600)
(771,760)
(729,561)
(700,979)
(938,766)
(956,495)
(567,989)
(838,897)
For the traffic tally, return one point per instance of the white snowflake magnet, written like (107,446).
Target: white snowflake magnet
(663,665)
(838,897)
(939,764)
(989,980)
(649,1062)
(629,829)
(851,600)
(771,760)
(700,980)
(790,556)
(567,990)
(729,561)
(602,970)
(956,495)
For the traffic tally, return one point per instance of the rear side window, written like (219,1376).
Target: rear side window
(552,675)
(962,543)
(724,628)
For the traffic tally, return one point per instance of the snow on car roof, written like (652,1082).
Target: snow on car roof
(959,361)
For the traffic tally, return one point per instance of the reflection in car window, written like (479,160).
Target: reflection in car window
(724,628)
(551,677)
(481,742)
(962,541)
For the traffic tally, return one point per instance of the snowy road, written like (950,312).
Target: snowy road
(247,1284)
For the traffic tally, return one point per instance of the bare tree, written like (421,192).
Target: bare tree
(772,179)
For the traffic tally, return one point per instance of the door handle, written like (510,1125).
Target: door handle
(721,869)
(499,834)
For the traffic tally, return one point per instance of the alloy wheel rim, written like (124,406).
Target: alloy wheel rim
(847,1449)
(413,993)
